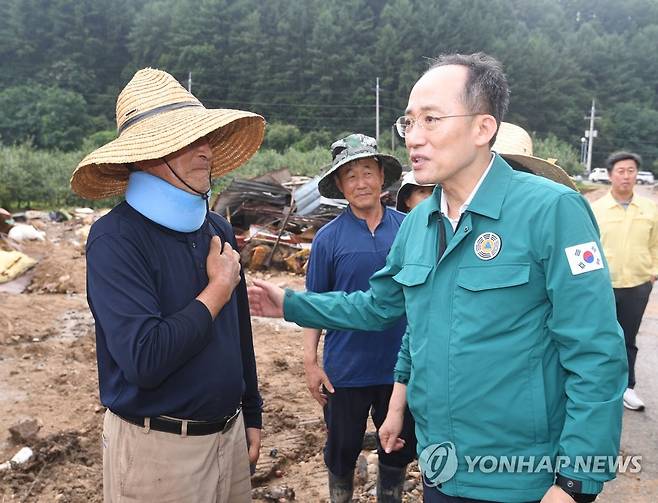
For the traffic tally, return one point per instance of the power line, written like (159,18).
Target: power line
(288,105)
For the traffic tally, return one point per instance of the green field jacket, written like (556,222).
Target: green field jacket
(513,348)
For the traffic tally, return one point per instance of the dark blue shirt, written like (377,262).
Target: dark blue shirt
(159,351)
(344,255)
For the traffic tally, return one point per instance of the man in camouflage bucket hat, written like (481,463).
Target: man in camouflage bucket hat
(358,366)
(351,148)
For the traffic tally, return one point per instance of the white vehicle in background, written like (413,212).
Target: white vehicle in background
(599,175)
(645,177)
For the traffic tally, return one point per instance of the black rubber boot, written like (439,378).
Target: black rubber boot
(341,488)
(390,482)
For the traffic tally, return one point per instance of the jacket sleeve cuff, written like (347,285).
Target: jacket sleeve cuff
(401,377)
(289,305)
(588,486)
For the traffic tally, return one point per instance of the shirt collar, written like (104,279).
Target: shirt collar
(467,202)
(611,202)
(361,221)
(487,196)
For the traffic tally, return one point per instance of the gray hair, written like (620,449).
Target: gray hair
(486,90)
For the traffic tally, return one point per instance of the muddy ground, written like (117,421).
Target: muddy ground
(48,373)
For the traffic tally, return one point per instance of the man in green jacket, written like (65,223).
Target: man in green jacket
(514,364)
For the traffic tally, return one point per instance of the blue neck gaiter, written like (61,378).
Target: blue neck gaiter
(165,204)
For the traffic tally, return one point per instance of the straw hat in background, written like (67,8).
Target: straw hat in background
(514,145)
(156,116)
(350,148)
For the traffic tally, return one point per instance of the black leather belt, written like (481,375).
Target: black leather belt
(183,427)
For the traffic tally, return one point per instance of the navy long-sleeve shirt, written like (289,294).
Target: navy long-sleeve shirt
(159,351)
(345,254)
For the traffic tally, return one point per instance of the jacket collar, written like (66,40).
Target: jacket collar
(611,202)
(488,200)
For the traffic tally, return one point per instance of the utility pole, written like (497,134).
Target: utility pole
(393,138)
(189,82)
(590,135)
(377,112)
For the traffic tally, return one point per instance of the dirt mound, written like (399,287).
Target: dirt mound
(61,267)
(52,275)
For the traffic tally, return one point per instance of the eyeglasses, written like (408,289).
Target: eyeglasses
(426,121)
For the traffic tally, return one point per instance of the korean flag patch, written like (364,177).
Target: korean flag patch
(584,258)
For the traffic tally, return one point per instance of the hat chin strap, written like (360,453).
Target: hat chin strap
(204,195)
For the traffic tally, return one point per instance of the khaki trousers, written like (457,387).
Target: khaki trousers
(141,465)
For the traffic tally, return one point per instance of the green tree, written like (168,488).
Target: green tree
(313,64)
(628,126)
(566,156)
(546,91)
(280,137)
(49,116)
(313,140)
(345,69)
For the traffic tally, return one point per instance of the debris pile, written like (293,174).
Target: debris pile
(275,217)
(31,470)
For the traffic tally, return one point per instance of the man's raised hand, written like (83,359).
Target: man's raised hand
(223,269)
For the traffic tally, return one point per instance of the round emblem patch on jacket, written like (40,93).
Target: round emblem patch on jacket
(487,245)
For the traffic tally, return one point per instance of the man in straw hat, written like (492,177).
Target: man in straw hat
(358,366)
(514,354)
(514,145)
(173,337)
(629,233)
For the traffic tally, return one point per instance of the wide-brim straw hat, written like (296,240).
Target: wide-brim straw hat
(156,116)
(351,148)
(408,184)
(514,145)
